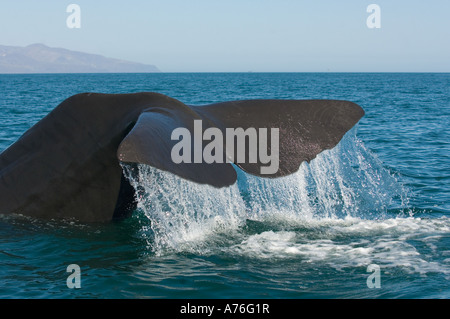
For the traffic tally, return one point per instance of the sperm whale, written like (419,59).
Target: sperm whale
(68,165)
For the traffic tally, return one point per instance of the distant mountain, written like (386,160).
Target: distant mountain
(39,58)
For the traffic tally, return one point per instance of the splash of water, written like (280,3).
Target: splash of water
(346,181)
(181,211)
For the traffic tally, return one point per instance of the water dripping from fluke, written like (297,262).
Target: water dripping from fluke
(345,182)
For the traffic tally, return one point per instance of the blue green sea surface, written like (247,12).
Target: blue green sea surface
(381,197)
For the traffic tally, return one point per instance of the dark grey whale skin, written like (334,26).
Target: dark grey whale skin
(67,166)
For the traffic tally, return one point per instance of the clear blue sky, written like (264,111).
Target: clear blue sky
(242,35)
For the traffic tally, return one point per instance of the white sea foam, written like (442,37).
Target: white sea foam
(354,242)
(333,211)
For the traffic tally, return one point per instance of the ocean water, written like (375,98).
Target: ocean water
(381,197)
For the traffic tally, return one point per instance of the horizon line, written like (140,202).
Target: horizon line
(222,72)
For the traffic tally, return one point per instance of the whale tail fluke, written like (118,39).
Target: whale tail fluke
(292,131)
